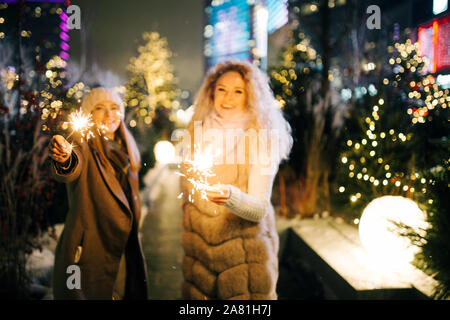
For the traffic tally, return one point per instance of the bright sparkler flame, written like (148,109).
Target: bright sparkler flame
(200,166)
(81,123)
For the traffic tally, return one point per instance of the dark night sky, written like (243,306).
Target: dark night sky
(112,28)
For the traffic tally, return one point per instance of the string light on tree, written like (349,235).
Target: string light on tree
(370,162)
(423,91)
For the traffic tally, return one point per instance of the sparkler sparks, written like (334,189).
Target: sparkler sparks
(84,125)
(200,168)
(81,123)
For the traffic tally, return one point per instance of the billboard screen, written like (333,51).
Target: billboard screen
(228,32)
(434,42)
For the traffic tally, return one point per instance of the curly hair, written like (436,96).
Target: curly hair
(261,104)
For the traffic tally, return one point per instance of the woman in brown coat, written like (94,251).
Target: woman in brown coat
(230,239)
(100,234)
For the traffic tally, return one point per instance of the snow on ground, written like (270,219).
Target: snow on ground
(40,266)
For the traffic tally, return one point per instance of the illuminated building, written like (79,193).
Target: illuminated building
(239,29)
(434,40)
(36,28)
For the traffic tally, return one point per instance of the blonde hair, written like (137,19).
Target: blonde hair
(261,104)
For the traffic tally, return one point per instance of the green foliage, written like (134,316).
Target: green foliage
(436,249)
(434,257)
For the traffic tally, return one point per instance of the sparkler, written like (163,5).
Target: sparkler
(82,124)
(200,167)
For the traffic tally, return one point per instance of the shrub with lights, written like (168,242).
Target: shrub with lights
(31,93)
(403,133)
(296,83)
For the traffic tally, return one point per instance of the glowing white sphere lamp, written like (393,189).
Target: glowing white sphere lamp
(379,235)
(164,152)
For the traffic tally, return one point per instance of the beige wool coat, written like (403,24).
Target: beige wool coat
(103,224)
(226,257)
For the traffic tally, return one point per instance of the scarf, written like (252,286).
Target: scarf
(117,155)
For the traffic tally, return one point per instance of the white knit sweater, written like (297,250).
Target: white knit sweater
(253,205)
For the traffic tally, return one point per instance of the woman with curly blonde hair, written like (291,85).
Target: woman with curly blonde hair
(229,235)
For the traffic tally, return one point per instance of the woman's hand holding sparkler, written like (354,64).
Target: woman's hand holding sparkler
(218,193)
(60,149)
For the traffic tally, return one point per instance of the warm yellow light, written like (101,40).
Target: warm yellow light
(164,152)
(379,235)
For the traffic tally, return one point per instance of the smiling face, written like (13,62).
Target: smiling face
(107,115)
(230,95)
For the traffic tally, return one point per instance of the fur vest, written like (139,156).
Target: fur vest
(226,257)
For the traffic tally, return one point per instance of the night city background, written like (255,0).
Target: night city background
(362,206)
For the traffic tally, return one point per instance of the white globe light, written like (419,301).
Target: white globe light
(164,152)
(379,235)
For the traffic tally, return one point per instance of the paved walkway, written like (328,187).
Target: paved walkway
(161,234)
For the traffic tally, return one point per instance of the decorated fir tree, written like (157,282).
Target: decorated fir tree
(151,95)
